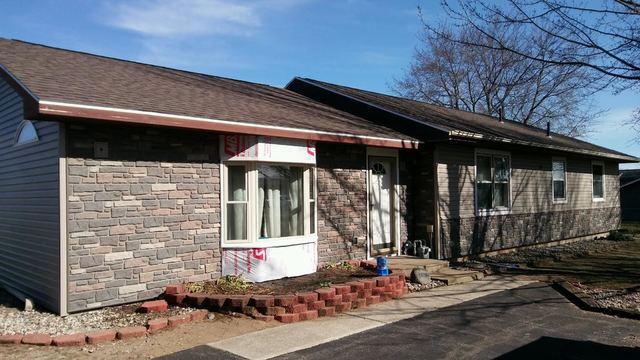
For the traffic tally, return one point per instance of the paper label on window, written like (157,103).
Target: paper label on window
(267,148)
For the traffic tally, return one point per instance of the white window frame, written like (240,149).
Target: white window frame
(494,211)
(566,187)
(253,241)
(604,186)
(21,127)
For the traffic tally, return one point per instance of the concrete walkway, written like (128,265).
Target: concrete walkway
(285,339)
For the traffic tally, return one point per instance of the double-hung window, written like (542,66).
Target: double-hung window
(493,177)
(269,204)
(559,180)
(597,171)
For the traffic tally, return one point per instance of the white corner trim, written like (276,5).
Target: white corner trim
(62,171)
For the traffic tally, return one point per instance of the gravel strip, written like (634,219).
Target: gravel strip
(414,287)
(617,299)
(15,321)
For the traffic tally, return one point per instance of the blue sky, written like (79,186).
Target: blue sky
(360,43)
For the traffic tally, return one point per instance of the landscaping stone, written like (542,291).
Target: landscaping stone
(344,306)
(37,339)
(337,299)
(368,283)
(420,276)
(102,336)
(10,339)
(356,286)
(174,289)
(262,317)
(285,300)
(178,320)
(196,300)
(326,293)
(288,318)
(342,289)
(153,306)
(262,301)
(373,299)
(131,332)
(199,315)
(157,324)
(308,315)
(327,311)
(316,305)
(296,308)
(274,310)
(362,294)
(360,303)
(215,302)
(382,281)
(70,340)
(307,297)
(175,299)
(238,302)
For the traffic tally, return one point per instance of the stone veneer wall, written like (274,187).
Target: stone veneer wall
(342,202)
(146,216)
(479,234)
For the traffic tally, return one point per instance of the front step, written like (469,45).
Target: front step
(438,269)
(453,276)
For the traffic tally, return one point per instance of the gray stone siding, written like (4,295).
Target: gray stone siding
(469,236)
(145,216)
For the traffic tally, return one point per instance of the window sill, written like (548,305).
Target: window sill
(493,212)
(597,199)
(268,243)
(559,201)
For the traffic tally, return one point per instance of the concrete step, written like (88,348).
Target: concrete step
(407,264)
(453,276)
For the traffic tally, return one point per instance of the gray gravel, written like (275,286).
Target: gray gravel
(413,287)
(15,321)
(617,299)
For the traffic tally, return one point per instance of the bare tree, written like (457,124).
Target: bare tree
(601,37)
(447,70)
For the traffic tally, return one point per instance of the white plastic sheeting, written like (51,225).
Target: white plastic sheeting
(267,148)
(263,264)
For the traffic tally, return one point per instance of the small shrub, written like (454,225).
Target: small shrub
(339,266)
(233,283)
(325,284)
(195,287)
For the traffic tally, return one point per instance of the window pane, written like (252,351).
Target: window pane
(484,196)
(280,201)
(558,170)
(312,183)
(236,221)
(501,168)
(312,217)
(483,168)
(27,133)
(558,189)
(236,186)
(501,195)
(598,189)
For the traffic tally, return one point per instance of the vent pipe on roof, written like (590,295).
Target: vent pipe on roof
(548,128)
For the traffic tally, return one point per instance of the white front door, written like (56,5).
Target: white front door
(381,204)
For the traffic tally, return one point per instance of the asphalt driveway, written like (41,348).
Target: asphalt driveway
(529,322)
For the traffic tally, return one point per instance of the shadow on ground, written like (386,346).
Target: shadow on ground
(555,348)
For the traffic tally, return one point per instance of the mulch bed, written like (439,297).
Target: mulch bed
(321,278)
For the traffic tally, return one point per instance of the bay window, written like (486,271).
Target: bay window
(493,176)
(268,204)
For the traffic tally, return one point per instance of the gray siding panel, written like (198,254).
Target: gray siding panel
(29,206)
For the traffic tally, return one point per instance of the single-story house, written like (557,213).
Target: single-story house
(630,194)
(118,178)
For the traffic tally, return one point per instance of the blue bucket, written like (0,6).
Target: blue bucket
(382,269)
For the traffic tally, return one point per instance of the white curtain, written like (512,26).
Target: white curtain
(280,201)
(295,187)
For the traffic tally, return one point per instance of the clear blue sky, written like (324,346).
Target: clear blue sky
(360,43)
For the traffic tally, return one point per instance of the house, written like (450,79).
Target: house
(630,194)
(118,178)
(483,183)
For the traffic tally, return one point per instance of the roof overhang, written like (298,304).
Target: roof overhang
(470,135)
(68,110)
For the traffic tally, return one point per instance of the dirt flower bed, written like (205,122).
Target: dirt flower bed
(327,276)
(15,321)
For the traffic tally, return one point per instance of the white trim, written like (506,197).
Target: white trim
(563,160)
(498,211)
(218,121)
(391,153)
(62,173)
(604,177)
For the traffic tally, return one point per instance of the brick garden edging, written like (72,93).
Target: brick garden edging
(289,308)
(103,336)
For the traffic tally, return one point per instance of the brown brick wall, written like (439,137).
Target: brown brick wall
(146,216)
(342,202)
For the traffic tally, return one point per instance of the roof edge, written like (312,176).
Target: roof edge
(470,135)
(62,109)
(29,99)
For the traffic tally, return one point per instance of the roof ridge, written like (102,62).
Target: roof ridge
(137,62)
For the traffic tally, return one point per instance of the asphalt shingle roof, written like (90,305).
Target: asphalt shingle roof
(60,75)
(465,123)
